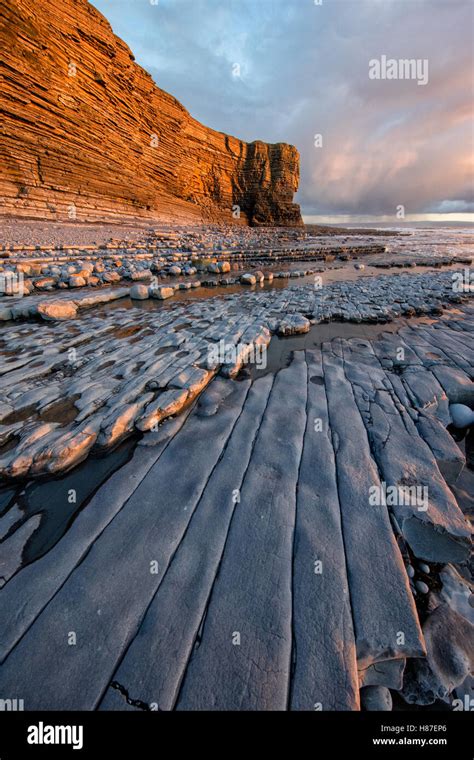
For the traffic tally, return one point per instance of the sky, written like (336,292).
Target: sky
(303,72)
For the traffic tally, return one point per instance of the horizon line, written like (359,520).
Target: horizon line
(465,218)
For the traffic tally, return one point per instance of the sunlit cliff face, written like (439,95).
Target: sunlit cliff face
(297,71)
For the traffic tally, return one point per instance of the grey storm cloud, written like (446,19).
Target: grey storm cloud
(304,71)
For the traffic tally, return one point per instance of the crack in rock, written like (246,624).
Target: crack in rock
(133,702)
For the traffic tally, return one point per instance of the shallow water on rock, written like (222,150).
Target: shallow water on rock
(280,350)
(343,272)
(58,501)
(50,498)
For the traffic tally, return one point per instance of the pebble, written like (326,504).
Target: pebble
(294,324)
(422,587)
(57,310)
(461,415)
(161,293)
(139,292)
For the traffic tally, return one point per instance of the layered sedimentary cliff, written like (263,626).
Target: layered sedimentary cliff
(87,134)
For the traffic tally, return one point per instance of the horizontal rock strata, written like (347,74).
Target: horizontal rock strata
(87,135)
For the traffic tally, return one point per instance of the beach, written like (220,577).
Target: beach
(323,392)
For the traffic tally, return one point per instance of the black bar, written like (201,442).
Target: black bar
(319,735)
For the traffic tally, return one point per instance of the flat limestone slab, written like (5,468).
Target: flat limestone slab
(156,660)
(23,598)
(406,455)
(106,597)
(243,657)
(427,394)
(442,342)
(384,615)
(449,457)
(436,531)
(325,667)
(458,385)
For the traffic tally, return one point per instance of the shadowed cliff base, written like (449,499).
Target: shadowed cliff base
(88,136)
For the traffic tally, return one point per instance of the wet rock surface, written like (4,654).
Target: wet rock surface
(342,463)
(325,543)
(128,357)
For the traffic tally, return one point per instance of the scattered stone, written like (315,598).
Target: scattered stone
(462,416)
(161,293)
(422,587)
(145,274)
(45,283)
(57,310)
(76,281)
(294,324)
(139,292)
